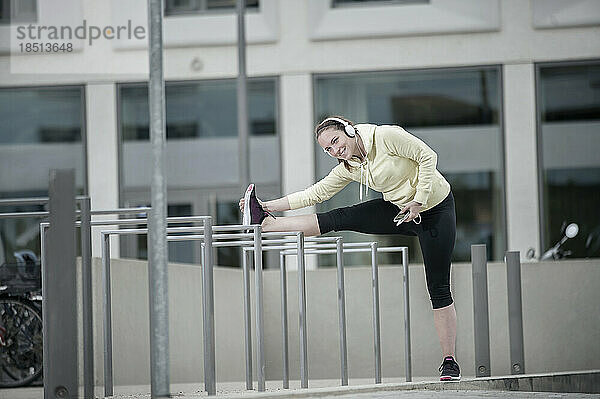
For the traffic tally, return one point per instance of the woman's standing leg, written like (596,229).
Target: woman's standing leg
(437,244)
(444,320)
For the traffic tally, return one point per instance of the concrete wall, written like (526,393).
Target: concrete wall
(560,310)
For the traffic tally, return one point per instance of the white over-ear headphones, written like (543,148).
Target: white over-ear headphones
(348,128)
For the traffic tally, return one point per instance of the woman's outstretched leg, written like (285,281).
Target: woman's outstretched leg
(308,224)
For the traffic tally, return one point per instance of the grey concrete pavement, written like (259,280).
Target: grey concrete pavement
(575,384)
(459,394)
(37,393)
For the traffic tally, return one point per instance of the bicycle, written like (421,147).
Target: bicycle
(21,346)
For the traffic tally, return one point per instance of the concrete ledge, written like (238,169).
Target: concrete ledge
(564,382)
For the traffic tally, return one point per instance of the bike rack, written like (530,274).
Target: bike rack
(339,248)
(207,292)
(85,225)
(85,233)
(204,219)
(374,249)
(318,245)
(301,310)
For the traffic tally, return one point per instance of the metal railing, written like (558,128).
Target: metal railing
(252,240)
(84,214)
(267,242)
(86,259)
(320,245)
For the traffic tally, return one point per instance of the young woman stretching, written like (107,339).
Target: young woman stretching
(417,201)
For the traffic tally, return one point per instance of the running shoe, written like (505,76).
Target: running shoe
(253,211)
(449,370)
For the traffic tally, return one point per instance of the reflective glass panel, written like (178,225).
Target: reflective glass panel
(175,7)
(338,3)
(15,11)
(202,143)
(41,129)
(228,213)
(570,93)
(569,101)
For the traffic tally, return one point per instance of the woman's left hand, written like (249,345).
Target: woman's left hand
(414,208)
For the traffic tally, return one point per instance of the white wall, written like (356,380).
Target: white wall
(561,321)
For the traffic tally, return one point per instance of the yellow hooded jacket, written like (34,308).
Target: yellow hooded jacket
(399,165)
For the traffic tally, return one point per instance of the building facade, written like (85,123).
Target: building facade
(507,92)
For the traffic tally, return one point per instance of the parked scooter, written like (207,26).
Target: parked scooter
(557,251)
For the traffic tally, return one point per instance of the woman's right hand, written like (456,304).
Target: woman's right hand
(277,205)
(263,204)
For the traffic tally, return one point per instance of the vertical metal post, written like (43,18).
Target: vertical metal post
(247,261)
(108,366)
(339,246)
(208,311)
(407,346)
(284,321)
(42,247)
(260,332)
(87,305)
(59,287)
(515,312)
(302,312)
(480,311)
(242,99)
(376,332)
(157,225)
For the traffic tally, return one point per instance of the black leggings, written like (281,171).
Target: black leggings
(436,233)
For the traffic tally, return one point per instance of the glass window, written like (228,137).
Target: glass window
(457,113)
(338,3)
(178,7)
(202,148)
(5,12)
(41,129)
(36,116)
(181,252)
(199,109)
(570,93)
(202,144)
(228,213)
(569,126)
(12,11)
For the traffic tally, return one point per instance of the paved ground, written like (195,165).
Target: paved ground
(459,394)
(37,393)
(424,387)
(322,389)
